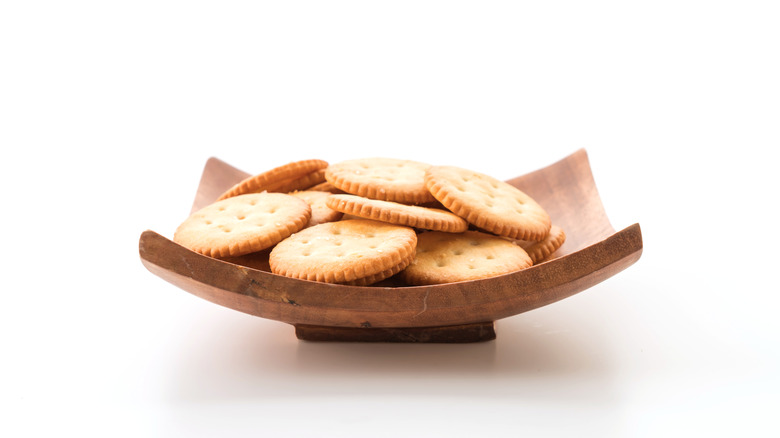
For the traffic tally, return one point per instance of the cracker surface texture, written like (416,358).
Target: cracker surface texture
(488,203)
(386,179)
(344,251)
(242,224)
(472,255)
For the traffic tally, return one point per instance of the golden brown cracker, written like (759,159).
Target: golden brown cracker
(386,179)
(488,203)
(304,182)
(396,213)
(472,255)
(262,181)
(344,251)
(242,224)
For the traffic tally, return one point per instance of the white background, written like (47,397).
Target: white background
(108,111)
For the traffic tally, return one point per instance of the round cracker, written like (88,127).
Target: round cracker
(344,251)
(274,177)
(472,255)
(400,214)
(488,203)
(242,224)
(386,179)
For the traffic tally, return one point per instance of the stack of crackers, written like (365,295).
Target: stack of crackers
(363,221)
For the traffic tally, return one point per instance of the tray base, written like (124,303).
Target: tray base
(478,332)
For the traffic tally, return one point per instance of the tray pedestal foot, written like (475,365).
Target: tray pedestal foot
(477,332)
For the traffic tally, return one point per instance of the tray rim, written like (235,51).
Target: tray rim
(624,246)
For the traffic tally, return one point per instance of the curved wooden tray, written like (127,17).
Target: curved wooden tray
(456,312)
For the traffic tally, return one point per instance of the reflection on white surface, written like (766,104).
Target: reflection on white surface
(606,366)
(545,361)
(270,362)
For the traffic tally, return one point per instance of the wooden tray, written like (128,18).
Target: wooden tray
(456,312)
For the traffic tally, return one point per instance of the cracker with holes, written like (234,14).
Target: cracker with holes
(320,211)
(358,252)
(472,255)
(538,251)
(243,224)
(274,179)
(488,203)
(401,214)
(386,179)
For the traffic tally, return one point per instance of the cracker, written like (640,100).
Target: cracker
(320,211)
(304,182)
(344,251)
(472,255)
(396,213)
(270,178)
(488,203)
(242,224)
(538,251)
(386,179)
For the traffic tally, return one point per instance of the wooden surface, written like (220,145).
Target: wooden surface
(593,252)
